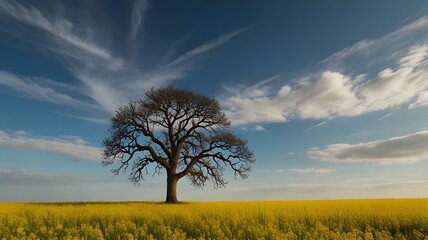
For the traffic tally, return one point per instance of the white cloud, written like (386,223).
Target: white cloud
(421,100)
(311,170)
(410,148)
(73,147)
(334,94)
(330,95)
(259,128)
(253,110)
(399,58)
(394,87)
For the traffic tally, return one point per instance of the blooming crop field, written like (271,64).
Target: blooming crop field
(329,219)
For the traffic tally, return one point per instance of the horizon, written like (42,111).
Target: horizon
(332,97)
(208,201)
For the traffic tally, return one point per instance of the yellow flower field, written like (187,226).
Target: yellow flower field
(329,219)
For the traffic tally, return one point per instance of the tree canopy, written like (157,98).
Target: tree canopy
(178,131)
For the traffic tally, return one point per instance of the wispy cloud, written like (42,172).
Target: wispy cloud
(311,170)
(208,46)
(138,10)
(89,119)
(72,147)
(392,41)
(319,124)
(112,90)
(383,117)
(103,78)
(60,30)
(259,89)
(32,87)
(403,149)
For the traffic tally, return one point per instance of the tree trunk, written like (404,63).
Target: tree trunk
(171,189)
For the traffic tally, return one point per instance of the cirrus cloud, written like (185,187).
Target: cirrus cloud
(70,146)
(61,33)
(105,79)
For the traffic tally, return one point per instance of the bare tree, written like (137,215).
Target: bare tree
(179,131)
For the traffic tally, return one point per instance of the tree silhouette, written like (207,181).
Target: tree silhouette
(179,131)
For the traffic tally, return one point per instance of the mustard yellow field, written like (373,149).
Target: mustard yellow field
(336,219)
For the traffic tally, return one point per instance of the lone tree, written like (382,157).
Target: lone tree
(180,131)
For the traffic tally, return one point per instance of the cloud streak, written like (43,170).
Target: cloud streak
(386,116)
(317,125)
(72,147)
(208,46)
(403,149)
(112,90)
(32,87)
(139,9)
(311,170)
(61,29)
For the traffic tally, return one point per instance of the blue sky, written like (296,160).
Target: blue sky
(331,95)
